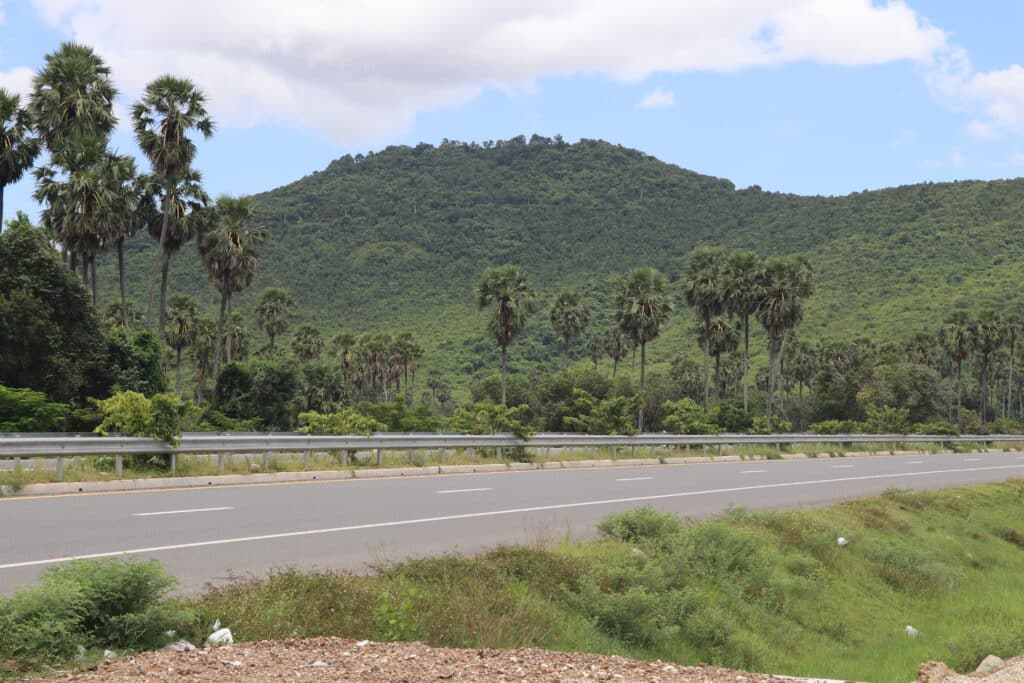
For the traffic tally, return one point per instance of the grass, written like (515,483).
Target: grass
(765,591)
(101,468)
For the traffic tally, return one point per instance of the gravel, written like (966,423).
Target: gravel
(335,659)
(1012,671)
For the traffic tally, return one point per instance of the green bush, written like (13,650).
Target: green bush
(133,414)
(636,616)
(686,416)
(96,604)
(966,652)
(837,427)
(25,410)
(346,421)
(640,525)
(776,425)
(490,418)
(613,415)
(943,428)
(886,419)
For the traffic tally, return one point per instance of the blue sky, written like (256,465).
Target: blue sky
(806,96)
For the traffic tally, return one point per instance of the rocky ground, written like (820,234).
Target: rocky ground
(991,671)
(334,659)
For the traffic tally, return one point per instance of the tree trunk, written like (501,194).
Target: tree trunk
(271,343)
(158,257)
(85,270)
(615,366)
(2,187)
(228,345)
(73,260)
(746,359)
(801,385)
(718,375)
(92,277)
(220,336)
(959,389)
(504,373)
(166,268)
(643,386)
(408,392)
(565,354)
(120,277)
(1009,382)
(177,374)
(707,373)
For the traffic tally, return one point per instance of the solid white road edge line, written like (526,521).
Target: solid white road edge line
(841,467)
(634,478)
(464,490)
(491,513)
(753,471)
(178,512)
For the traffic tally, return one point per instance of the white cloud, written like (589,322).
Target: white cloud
(657,98)
(956,160)
(362,69)
(17,80)
(994,98)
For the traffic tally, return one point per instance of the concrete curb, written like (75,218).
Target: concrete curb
(158,483)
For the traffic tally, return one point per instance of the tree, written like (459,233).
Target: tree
(273,311)
(743,291)
(959,334)
(203,344)
(643,308)
(508,291)
(986,340)
(569,317)
(802,362)
(229,254)
(704,291)
(18,147)
(595,350)
(236,338)
(788,281)
(182,319)
(143,216)
(717,337)
(169,110)
(617,346)
(307,344)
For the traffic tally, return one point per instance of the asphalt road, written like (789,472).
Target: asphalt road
(209,535)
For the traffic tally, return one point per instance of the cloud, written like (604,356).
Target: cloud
(362,69)
(995,98)
(17,80)
(956,160)
(657,98)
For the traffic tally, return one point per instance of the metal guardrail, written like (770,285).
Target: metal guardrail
(58,447)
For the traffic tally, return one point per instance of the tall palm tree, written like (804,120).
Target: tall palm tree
(236,337)
(718,337)
(743,291)
(229,252)
(617,346)
(409,353)
(18,147)
(506,289)
(643,308)
(182,318)
(595,350)
(273,310)
(788,281)
(144,215)
(569,317)
(307,344)
(343,347)
(704,290)
(959,335)
(1011,327)
(803,365)
(187,216)
(169,110)
(203,344)
(987,339)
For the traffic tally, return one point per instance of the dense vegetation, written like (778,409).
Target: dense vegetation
(765,591)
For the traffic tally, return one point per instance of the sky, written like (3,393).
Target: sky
(806,96)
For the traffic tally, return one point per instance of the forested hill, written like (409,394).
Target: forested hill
(397,240)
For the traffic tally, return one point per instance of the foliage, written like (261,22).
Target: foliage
(489,418)
(25,410)
(643,524)
(130,413)
(886,420)
(261,389)
(136,362)
(916,387)
(95,604)
(686,416)
(346,421)
(763,424)
(613,415)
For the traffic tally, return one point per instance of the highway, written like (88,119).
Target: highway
(208,535)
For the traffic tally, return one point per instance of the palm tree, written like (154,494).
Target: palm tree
(182,318)
(409,352)
(569,316)
(617,346)
(959,335)
(743,291)
(788,281)
(987,339)
(307,343)
(1011,326)
(229,254)
(273,310)
(704,290)
(236,337)
(718,337)
(72,102)
(144,216)
(803,364)
(203,344)
(508,290)
(343,347)
(168,111)
(187,216)
(18,147)
(643,308)
(595,350)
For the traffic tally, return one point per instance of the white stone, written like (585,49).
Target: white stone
(912,632)
(109,654)
(221,636)
(362,643)
(842,541)
(989,664)
(180,646)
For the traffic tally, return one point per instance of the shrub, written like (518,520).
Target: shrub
(132,414)
(730,416)
(966,652)
(25,410)
(886,419)
(763,425)
(943,428)
(489,418)
(346,421)
(837,427)
(613,415)
(639,525)
(637,617)
(686,416)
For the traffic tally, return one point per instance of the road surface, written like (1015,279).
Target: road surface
(209,535)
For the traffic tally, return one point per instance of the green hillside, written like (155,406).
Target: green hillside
(396,241)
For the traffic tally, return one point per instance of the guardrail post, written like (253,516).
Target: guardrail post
(305,460)
(118,465)
(472,454)
(377,455)
(220,463)
(632,452)
(17,463)
(615,450)
(60,468)
(266,461)
(344,457)
(174,463)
